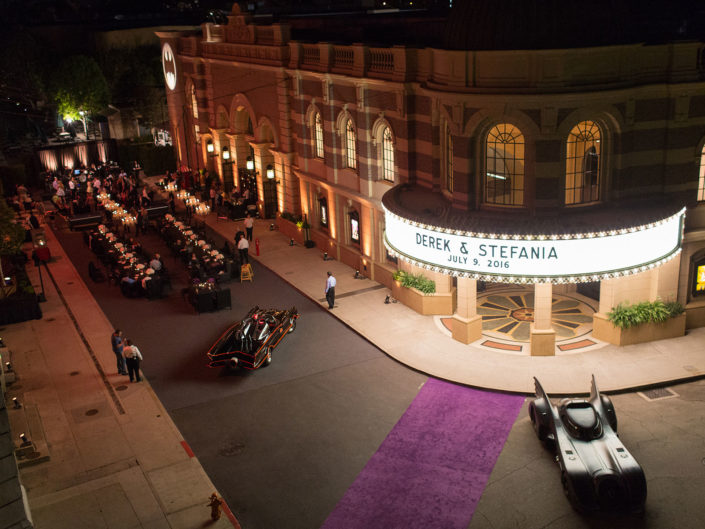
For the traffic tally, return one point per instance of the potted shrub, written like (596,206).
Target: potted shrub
(643,322)
(419,293)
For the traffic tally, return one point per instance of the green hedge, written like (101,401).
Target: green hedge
(626,316)
(417,281)
(154,160)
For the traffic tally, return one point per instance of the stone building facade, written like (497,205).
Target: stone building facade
(572,143)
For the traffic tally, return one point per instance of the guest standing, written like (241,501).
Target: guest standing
(133,357)
(243,247)
(116,342)
(249,225)
(330,290)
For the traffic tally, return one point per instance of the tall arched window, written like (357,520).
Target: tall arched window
(387,155)
(318,135)
(504,166)
(194,109)
(582,170)
(447,159)
(701,180)
(350,151)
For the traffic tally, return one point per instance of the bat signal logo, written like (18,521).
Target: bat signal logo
(169,66)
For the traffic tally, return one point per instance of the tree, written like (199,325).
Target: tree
(11,237)
(135,79)
(78,84)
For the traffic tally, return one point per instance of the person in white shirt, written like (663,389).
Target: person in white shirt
(243,247)
(133,357)
(249,225)
(330,290)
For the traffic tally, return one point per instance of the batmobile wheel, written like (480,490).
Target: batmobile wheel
(268,359)
(540,429)
(293,325)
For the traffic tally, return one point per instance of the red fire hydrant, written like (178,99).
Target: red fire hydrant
(256,246)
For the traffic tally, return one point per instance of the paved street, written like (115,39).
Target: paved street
(284,443)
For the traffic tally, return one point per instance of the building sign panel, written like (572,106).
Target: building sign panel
(535,258)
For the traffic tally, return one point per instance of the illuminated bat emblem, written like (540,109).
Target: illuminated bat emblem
(169,66)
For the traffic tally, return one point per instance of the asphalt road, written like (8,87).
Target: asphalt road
(284,443)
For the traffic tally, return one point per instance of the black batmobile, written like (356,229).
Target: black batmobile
(597,471)
(249,343)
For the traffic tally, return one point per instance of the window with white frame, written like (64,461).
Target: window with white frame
(504,166)
(387,155)
(318,135)
(350,151)
(701,180)
(582,172)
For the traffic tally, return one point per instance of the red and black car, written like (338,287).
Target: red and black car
(249,343)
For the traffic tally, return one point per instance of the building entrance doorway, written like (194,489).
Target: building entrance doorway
(269,189)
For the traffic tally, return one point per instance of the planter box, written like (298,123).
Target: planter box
(290,229)
(423,303)
(646,332)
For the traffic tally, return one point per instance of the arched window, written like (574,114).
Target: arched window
(701,180)
(447,159)
(194,109)
(582,171)
(318,135)
(504,166)
(350,152)
(387,155)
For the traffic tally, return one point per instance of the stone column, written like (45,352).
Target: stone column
(466,324)
(543,337)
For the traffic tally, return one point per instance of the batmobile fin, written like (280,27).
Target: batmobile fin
(540,393)
(594,392)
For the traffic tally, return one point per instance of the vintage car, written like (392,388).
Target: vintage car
(597,471)
(249,343)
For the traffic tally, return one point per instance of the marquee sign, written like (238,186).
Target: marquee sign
(169,66)
(569,258)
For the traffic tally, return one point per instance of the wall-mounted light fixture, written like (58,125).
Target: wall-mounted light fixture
(210,148)
(250,164)
(270,172)
(226,155)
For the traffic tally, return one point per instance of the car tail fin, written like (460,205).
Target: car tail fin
(540,393)
(594,392)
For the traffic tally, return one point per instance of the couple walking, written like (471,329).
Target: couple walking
(128,356)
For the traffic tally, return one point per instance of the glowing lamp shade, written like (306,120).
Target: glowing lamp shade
(210,148)
(226,154)
(270,172)
(250,163)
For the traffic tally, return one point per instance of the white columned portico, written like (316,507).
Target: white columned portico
(467,324)
(543,337)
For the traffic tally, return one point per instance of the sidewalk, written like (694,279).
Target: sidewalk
(116,460)
(418,342)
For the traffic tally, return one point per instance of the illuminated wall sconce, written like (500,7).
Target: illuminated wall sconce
(270,172)
(226,155)
(210,148)
(250,164)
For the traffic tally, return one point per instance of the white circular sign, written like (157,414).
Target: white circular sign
(541,258)
(169,66)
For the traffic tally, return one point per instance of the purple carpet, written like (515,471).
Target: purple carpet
(431,469)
